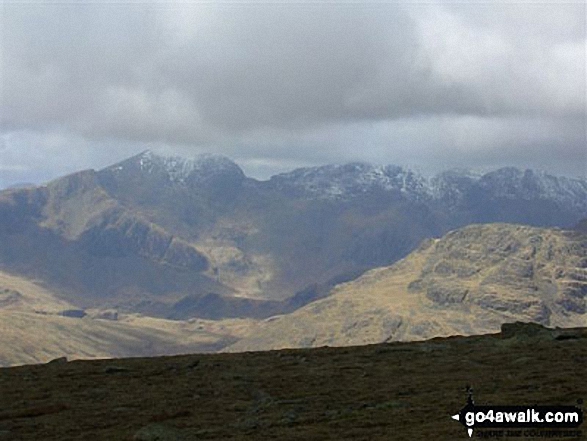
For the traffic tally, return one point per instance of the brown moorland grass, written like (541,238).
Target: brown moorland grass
(395,391)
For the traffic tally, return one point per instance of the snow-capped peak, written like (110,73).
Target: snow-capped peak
(347,181)
(339,181)
(355,179)
(512,182)
(178,169)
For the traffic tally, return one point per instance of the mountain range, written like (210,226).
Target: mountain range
(181,238)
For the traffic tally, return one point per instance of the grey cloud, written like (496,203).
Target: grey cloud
(296,83)
(112,69)
(294,67)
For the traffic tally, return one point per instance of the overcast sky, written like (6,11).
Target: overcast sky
(279,85)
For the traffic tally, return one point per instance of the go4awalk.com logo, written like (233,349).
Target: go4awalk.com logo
(561,421)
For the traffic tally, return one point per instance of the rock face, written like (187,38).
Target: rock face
(469,282)
(143,234)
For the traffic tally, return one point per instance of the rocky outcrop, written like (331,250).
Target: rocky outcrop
(9,297)
(73,313)
(529,331)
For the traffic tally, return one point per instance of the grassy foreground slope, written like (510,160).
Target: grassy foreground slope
(395,391)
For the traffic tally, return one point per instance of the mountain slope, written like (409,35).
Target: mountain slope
(36,326)
(469,282)
(582,226)
(179,238)
(94,251)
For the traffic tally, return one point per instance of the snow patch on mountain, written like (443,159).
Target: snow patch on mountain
(449,187)
(341,181)
(347,181)
(179,169)
(512,183)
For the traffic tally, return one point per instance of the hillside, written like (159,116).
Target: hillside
(468,282)
(35,327)
(399,391)
(582,226)
(182,238)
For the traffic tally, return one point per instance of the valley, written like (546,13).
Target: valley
(36,327)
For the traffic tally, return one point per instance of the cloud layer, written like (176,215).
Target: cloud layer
(282,84)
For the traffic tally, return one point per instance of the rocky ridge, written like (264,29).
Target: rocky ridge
(468,282)
(356,179)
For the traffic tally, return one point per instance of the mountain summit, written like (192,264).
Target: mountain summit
(351,180)
(183,238)
(358,179)
(176,169)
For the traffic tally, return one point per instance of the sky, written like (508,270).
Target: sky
(275,85)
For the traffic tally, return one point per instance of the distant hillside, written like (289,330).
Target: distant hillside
(582,226)
(180,238)
(21,185)
(468,282)
(35,327)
